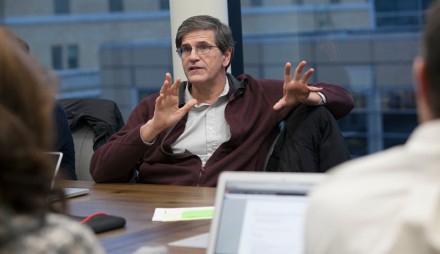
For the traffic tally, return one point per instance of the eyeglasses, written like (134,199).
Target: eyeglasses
(203,49)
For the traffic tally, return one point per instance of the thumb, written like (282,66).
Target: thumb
(314,89)
(189,105)
(280,104)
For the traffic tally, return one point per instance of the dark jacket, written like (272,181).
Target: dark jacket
(253,125)
(64,143)
(310,141)
(102,115)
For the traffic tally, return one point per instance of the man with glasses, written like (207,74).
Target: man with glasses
(191,131)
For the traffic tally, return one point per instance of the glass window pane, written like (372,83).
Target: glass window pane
(116,5)
(346,46)
(164,4)
(357,146)
(399,122)
(72,56)
(61,6)
(57,57)
(392,13)
(256,2)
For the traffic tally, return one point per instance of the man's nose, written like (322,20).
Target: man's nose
(194,54)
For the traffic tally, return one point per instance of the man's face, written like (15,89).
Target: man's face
(202,68)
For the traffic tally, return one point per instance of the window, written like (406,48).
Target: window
(57,57)
(375,66)
(392,13)
(164,4)
(116,5)
(59,61)
(256,2)
(72,56)
(61,6)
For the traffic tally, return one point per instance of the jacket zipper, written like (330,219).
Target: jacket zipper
(202,170)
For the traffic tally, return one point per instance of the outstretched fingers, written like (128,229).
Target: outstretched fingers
(298,71)
(305,78)
(175,86)
(287,71)
(168,92)
(296,89)
(166,84)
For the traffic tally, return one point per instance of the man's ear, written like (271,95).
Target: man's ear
(227,57)
(422,90)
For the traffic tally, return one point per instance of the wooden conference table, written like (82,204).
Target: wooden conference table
(136,203)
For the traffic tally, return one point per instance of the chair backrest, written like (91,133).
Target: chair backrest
(83,137)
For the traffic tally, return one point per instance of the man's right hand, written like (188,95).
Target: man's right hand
(167,111)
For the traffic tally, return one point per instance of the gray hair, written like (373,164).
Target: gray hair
(223,34)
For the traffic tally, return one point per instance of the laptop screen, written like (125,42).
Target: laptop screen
(55,158)
(264,215)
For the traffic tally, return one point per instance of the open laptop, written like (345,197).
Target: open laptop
(68,192)
(260,212)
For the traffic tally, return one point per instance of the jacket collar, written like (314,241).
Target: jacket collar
(236,87)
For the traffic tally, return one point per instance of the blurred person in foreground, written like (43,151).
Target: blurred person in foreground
(28,223)
(388,202)
(63,139)
(190,132)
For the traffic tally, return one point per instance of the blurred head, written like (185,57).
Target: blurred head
(25,128)
(427,68)
(222,33)
(23,44)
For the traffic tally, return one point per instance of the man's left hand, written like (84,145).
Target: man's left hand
(295,89)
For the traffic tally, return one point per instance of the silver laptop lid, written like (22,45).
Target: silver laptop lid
(68,192)
(56,158)
(260,212)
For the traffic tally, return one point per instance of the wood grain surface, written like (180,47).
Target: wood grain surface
(136,203)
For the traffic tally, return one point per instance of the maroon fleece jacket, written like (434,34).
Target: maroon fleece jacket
(253,125)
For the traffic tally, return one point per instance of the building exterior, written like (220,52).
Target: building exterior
(121,49)
(67,34)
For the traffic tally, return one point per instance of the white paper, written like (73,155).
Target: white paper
(198,241)
(180,214)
